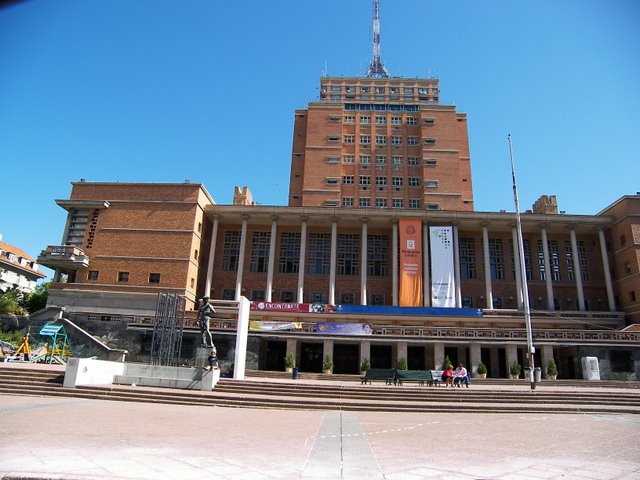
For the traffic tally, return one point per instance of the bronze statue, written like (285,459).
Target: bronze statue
(204,316)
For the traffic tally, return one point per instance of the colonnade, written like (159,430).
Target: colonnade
(304,220)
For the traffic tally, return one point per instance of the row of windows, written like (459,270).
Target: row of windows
(381,107)
(381,139)
(312,297)
(366,120)
(381,160)
(468,263)
(365,202)
(122,277)
(380,89)
(381,181)
(318,253)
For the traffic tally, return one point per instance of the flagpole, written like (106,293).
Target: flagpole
(523,272)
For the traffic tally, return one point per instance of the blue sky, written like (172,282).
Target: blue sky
(205,90)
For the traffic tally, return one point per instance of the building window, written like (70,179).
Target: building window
(414,181)
(496,258)
(621,361)
(632,296)
(348,255)
(365,202)
(467,258)
(623,240)
(365,139)
(286,297)
(347,299)
(429,141)
(414,203)
(347,201)
(365,159)
(349,139)
(431,183)
(349,119)
(123,276)
(193,282)
(467,302)
(333,138)
(260,252)
(381,181)
(397,181)
(497,302)
(228,294)
(413,161)
(365,181)
(381,140)
(230,251)
(195,254)
(332,180)
(627,267)
(381,160)
(412,140)
(396,140)
(381,203)
(582,259)
(430,162)
(397,160)
(365,120)
(347,159)
(257,296)
(397,203)
(379,89)
(316,297)
(377,299)
(412,121)
(319,256)
(527,259)
(381,121)
(333,158)
(92,275)
(347,179)
(377,255)
(554,258)
(396,120)
(154,278)
(541,269)
(432,206)
(289,252)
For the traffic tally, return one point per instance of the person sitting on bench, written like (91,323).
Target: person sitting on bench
(447,376)
(460,375)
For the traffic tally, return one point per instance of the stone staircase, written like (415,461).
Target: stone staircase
(497,396)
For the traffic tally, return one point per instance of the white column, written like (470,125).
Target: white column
(607,271)
(212,254)
(456,265)
(394,262)
(547,269)
(242,333)
(301,262)
(516,265)
(272,257)
(365,351)
(512,357)
(426,276)
(401,351)
(438,355)
(363,262)
(547,356)
(332,264)
(292,348)
(475,357)
(243,244)
(487,266)
(576,269)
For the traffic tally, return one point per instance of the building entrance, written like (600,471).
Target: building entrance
(311,357)
(416,358)
(346,357)
(274,355)
(381,356)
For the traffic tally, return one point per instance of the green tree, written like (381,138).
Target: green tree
(37,300)
(11,302)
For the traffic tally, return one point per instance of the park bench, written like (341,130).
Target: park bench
(419,376)
(386,374)
(435,377)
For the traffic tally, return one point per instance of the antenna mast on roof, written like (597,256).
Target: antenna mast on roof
(377,68)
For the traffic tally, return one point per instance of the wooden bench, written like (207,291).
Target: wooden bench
(419,376)
(435,377)
(386,374)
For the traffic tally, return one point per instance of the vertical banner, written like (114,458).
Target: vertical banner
(443,283)
(410,263)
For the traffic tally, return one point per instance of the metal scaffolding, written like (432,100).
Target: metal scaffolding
(168,327)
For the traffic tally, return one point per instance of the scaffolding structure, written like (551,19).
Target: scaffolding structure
(168,326)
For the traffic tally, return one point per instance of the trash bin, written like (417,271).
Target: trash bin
(294,373)
(537,374)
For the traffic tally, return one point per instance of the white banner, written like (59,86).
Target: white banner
(443,283)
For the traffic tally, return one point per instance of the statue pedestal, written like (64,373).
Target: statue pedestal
(202,353)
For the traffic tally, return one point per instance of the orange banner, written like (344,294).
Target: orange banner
(410,263)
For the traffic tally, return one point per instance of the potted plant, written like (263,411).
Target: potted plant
(365,366)
(552,370)
(515,370)
(402,364)
(327,364)
(447,363)
(482,370)
(289,363)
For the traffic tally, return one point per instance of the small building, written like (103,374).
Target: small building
(17,269)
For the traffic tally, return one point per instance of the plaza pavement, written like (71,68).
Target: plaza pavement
(78,439)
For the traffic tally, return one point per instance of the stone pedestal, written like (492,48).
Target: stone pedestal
(202,353)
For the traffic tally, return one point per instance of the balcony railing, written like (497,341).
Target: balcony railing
(63,257)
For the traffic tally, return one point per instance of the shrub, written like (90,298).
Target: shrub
(402,364)
(552,368)
(482,368)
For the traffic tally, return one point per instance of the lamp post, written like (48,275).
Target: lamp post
(523,271)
